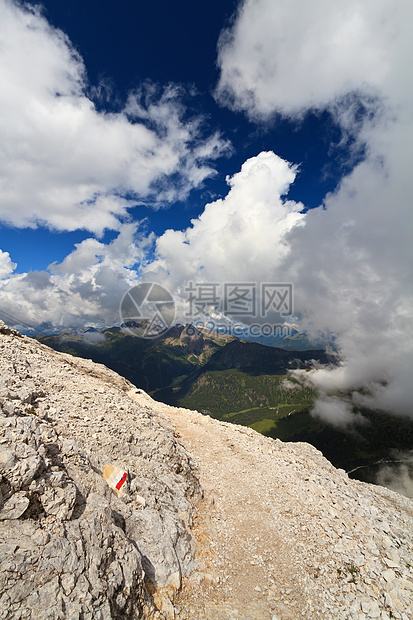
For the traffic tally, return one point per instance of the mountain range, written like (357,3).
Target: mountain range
(244,383)
(113,505)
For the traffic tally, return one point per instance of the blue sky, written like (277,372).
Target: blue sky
(251,141)
(165,43)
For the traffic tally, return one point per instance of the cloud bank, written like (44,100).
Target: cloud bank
(352,260)
(237,238)
(240,237)
(86,287)
(64,164)
(289,57)
(6,265)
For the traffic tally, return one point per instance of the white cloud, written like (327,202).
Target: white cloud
(351,261)
(240,237)
(289,57)
(237,238)
(6,265)
(67,166)
(335,411)
(86,287)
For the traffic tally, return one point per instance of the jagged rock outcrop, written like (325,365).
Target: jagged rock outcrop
(192,339)
(277,532)
(69,546)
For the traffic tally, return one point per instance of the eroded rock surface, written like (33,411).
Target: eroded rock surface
(69,546)
(284,535)
(277,532)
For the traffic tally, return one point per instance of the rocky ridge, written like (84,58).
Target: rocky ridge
(214,521)
(70,547)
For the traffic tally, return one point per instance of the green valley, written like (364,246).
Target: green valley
(242,383)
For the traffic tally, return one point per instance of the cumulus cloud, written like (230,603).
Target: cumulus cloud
(240,237)
(86,286)
(68,166)
(6,265)
(352,259)
(289,57)
(237,238)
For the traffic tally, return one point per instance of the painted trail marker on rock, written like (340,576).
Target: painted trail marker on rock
(115,477)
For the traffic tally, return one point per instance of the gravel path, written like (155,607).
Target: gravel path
(282,534)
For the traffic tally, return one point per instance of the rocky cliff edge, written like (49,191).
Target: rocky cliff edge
(211,521)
